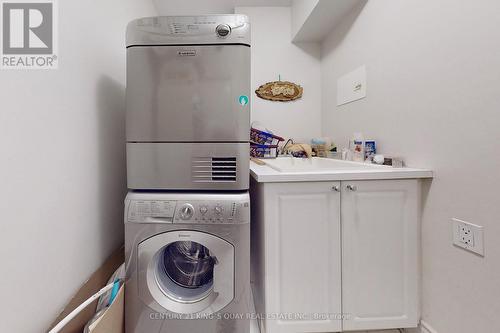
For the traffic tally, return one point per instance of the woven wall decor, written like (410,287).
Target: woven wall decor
(280,91)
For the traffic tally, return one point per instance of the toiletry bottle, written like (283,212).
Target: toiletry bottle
(358,152)
(370,150)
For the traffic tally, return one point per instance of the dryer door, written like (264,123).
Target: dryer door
(188,93)
(186,272)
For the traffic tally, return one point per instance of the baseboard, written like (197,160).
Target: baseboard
(423,328)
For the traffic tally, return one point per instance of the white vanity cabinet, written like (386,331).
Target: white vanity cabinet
(296,256)
(380,254)
(330,248)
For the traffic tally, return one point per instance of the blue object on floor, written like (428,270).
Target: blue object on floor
(114,291)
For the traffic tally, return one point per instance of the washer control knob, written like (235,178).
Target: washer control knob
(218,209)
(203,210)
(186,212)
(223,30)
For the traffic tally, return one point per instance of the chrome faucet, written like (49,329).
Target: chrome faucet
(283,151)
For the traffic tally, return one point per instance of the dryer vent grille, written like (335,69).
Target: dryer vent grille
(214,169)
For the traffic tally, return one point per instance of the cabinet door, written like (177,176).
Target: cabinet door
(303,257)
(380,266)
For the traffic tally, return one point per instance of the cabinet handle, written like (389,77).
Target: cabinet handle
(352,187)
(335,188)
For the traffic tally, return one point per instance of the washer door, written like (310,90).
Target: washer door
(186,272)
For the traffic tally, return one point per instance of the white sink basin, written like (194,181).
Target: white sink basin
(315,164)
(290,169)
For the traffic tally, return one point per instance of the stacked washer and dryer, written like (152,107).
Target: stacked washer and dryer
(187,215)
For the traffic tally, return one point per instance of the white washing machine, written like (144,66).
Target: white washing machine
(187,262)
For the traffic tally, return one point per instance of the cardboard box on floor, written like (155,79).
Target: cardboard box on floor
(112,320)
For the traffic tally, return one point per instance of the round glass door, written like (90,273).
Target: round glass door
(185,271)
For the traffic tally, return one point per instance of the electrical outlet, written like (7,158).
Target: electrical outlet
(468,236)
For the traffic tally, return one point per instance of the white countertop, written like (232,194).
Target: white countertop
(319,169)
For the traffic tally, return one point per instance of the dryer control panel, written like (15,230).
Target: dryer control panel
(187,211)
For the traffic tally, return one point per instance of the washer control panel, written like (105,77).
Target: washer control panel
(188,212)
(208,212)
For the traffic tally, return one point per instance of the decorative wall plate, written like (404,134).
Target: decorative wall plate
(281,91)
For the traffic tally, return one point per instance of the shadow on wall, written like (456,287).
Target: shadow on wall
(310,48)
(342,28)
(111,163)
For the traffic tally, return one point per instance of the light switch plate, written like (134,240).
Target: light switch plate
(468,236)
(352,86)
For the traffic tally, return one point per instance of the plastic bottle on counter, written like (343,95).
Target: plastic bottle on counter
(358,148)
(370,150)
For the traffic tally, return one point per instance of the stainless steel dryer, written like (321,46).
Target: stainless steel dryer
(187,262)
(188,106)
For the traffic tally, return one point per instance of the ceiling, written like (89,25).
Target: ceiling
(264,3)
(197,7)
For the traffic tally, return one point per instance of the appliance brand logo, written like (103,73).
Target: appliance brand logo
(187,53)
(29,33)
(243,100)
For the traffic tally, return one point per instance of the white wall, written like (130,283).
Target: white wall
(203,7)
(273,54)
(62,139)
(301,9)
(194,7)
(433,72)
